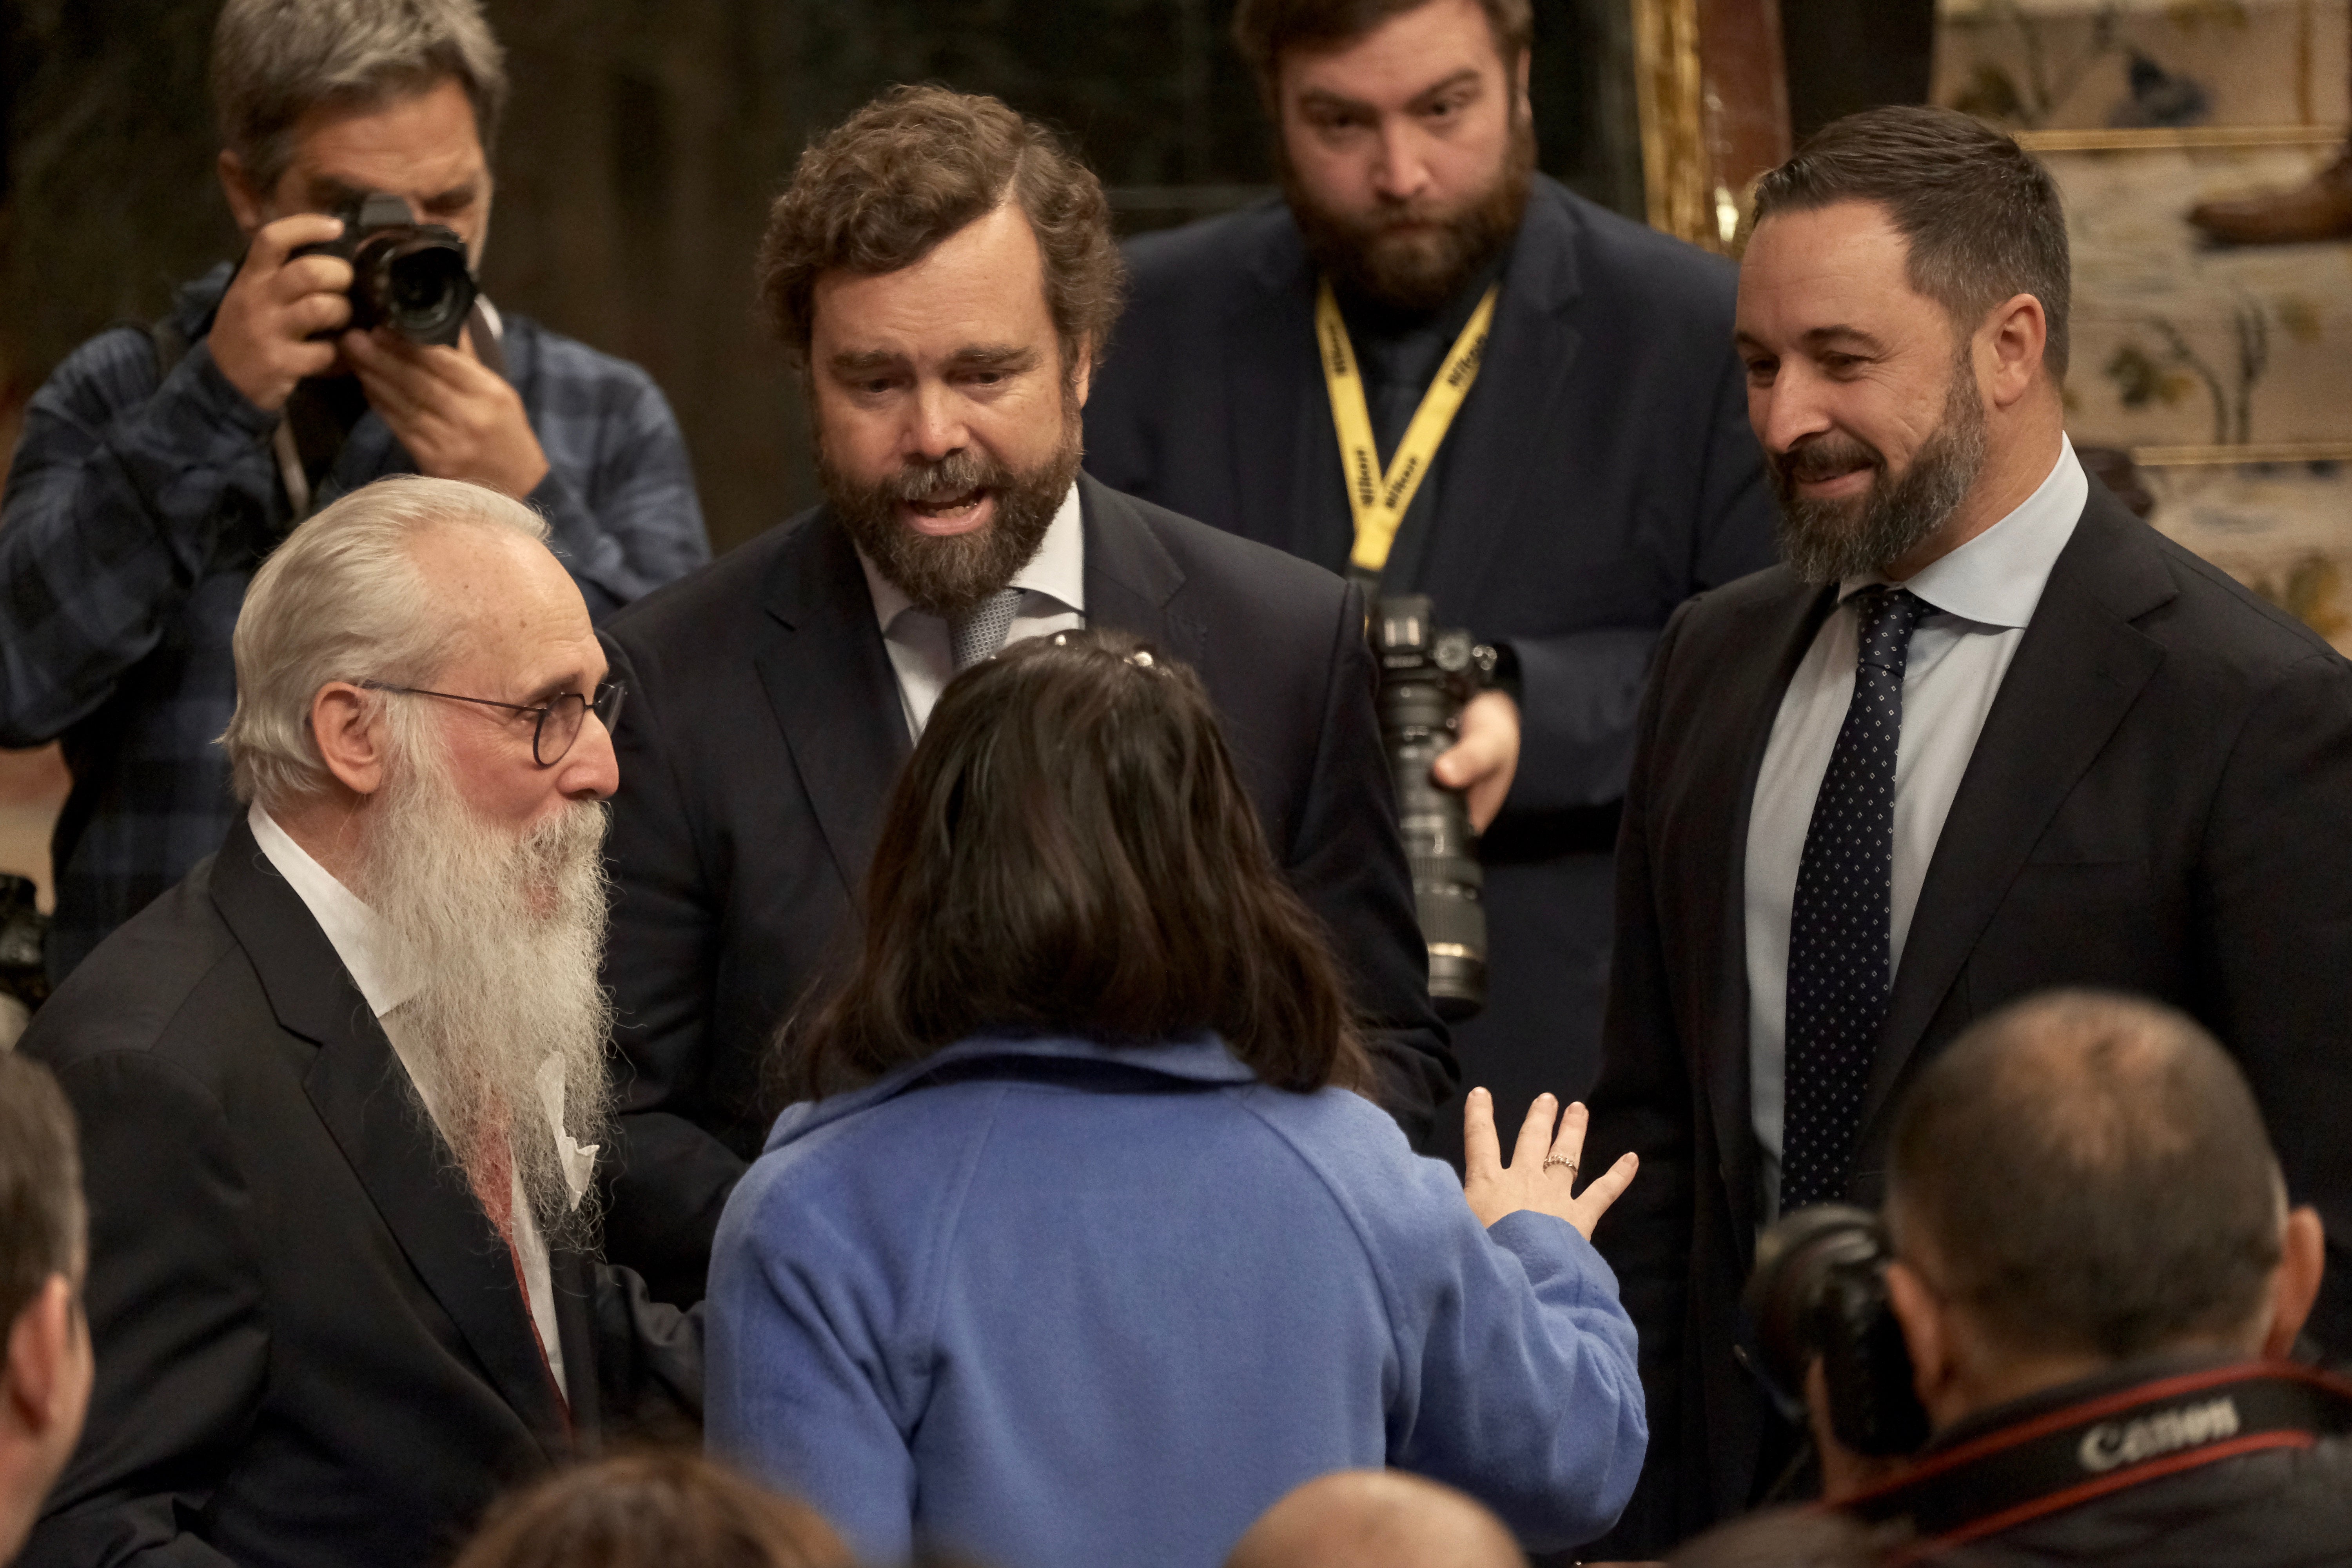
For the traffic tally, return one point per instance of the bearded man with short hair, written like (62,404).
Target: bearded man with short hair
(342,1090)
(1594,475)
(943,272)
(1985,733)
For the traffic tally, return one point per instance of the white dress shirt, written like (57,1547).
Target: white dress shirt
(1980,598)
(1053,599)
(358,937)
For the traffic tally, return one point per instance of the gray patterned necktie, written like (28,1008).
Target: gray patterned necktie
(978,634)
(1839,924)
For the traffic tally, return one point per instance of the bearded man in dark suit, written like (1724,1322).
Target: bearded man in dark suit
(340,1090)
(1595,473)
(1984,733)
(946,273)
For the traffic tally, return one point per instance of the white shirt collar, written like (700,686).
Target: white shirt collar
(1996,579)
(1058,570)
(354,929)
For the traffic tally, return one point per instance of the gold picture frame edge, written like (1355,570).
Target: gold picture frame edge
(2100,139)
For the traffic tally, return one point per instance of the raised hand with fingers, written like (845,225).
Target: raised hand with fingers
(1543,1169)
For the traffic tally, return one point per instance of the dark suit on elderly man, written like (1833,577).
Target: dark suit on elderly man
(313,1347)
(1600,472)
(763,732)
(2153,804)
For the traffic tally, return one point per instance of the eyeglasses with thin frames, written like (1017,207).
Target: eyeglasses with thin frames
(559,720)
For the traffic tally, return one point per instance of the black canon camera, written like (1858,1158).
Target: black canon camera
(1820,1291)
(411,277)
(24,973)
(1426,676)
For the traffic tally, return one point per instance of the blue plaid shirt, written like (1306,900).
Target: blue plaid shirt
(136,511)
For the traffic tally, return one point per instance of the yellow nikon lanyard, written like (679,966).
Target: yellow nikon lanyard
(1379,498)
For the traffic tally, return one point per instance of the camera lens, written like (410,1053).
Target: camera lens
(1420,699)
(416,282)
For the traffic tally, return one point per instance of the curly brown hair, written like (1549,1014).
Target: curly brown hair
(880,191)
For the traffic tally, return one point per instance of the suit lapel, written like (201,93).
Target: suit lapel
(828,677)
(1132,582)
(1272,379)
(2078,672)
(1783,631)
(1514,408)
(363,1095)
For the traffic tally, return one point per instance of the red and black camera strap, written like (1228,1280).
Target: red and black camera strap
(2068,1457)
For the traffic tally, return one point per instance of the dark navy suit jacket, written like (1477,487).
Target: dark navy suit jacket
(2155,804)
(1601,472)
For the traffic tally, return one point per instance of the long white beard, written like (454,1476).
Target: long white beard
(503,937)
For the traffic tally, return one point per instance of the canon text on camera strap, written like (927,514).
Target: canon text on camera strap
(2067,1457)
(1377,498)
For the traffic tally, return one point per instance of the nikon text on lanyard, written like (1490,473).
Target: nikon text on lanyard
(1377,498)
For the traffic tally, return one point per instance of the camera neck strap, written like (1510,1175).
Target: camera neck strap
(1378,496)
(2070,1456)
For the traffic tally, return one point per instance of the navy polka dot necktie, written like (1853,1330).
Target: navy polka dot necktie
(1839,943)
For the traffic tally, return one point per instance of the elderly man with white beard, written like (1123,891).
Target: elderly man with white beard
(342,1089)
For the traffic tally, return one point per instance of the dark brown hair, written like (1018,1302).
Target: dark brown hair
(2092,1174)
(667,1509)
(1068,850)
(1982,219)
(879,192)
(1264,29)
(41,1216)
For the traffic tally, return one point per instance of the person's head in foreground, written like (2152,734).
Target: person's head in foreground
(943,269)
(1068,850)
(45,1357)
(661,1509)
(422,705)
(1788,1538)
(2082,1182)
(1377,1519)
(1404,139)
(1903,316)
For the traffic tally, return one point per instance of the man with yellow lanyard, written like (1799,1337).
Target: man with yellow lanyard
(1439,372)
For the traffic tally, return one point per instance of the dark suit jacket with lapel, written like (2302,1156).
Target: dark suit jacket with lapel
(312,1348)
(2158,802)
(1600,472)
(763,732)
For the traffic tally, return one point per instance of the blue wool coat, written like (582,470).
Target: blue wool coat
(1051,1304)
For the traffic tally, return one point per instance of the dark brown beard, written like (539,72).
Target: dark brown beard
(1367,259)
(948,575)
(1831,541)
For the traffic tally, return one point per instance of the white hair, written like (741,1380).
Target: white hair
(273,61)
(344,599)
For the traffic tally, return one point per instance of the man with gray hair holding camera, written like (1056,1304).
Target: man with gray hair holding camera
(342,1090)
(158,467)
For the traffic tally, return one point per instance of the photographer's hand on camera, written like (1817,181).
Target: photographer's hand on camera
(457,417)
(1543,1170)
(1484,756)
(267,334)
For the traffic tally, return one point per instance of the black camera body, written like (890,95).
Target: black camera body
(1820,1291)
(24,933)
(411,277)
(1427,675)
